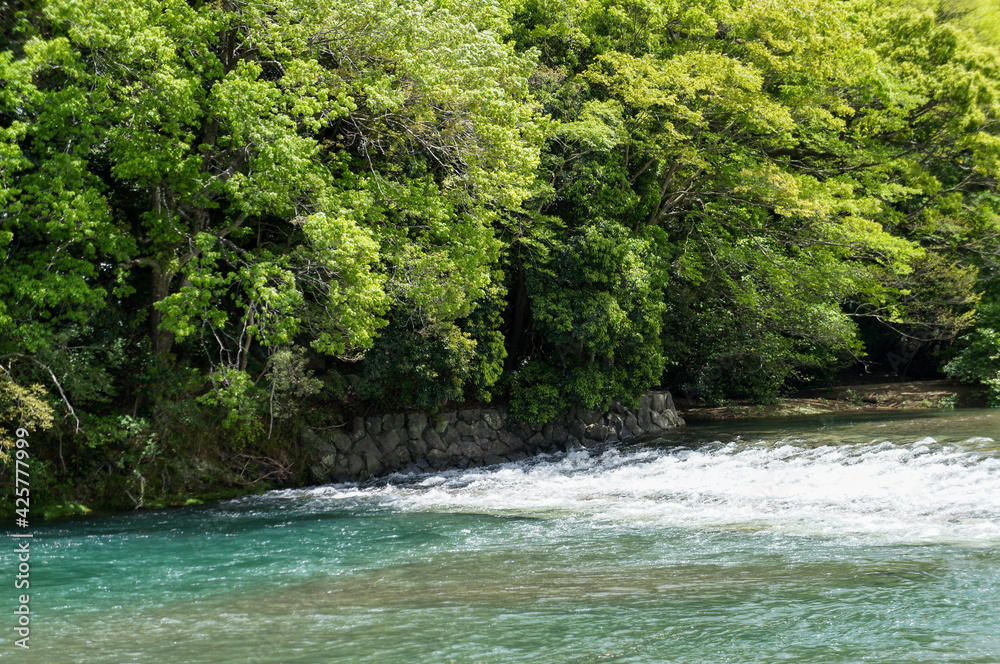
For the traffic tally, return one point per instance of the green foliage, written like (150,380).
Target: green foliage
(21,407)
(421,363)
(979,359)
(241,404)
(597,303)
(804,164)
(239,175)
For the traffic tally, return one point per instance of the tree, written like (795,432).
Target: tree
(256,175)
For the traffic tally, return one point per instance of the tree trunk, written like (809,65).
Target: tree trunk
(163,340)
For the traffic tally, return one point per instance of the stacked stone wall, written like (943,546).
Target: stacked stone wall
(416,442)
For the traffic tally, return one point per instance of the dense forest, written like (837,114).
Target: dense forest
(223,221)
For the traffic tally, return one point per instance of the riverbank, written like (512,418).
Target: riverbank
(379,445)
(898,395)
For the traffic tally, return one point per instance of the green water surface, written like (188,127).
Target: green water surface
(822,539)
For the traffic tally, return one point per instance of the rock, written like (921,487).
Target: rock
(492,447)
(437,459)
(445,420)
(631,422)
(373,425)
(372,463)
(451,436)
(357,427)
(484,431)
(433,440)
(415,425)
(391,439)
(493,419)
(577,430)
(661,421)
(398,458)
(588,416)
(366,446)
(559,434)
(520,430)
(393,422)
(418,446)
(315,445)
(616,423)
(492,460)
(470,416)
(536,440)
(658,403)
(465,430)
(510,440)
(596,432)
(355,465)
(341,440)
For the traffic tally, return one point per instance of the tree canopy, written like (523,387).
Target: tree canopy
(238,217)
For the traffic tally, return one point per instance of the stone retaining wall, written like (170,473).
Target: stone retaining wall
(415,442)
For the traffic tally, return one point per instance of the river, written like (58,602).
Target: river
(841,538)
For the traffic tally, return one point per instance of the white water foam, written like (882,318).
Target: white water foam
(917,492)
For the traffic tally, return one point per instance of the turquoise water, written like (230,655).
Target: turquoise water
(824,539)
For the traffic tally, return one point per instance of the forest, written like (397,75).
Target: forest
(223,221)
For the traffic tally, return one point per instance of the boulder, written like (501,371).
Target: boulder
(415,425)
(470,416)
(596,432)
(484,431)
(393,421)
(433,440)
(493,418)
(661,420)
(341,440)
(357,427)
(444,421)
(390,440)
